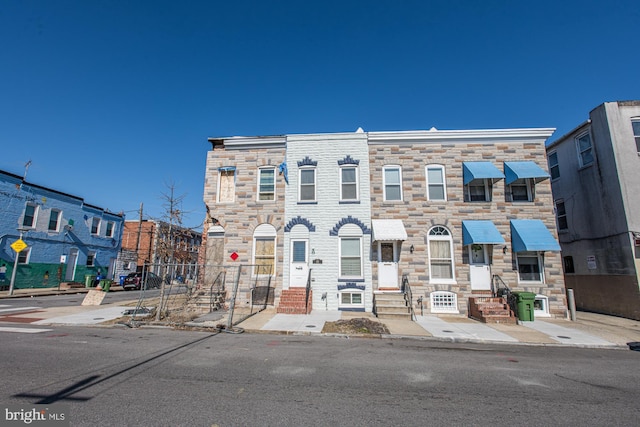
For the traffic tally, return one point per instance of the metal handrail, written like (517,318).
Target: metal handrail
(308,290)
(408,295)
(497,280)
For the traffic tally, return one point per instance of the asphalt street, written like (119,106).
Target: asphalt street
(163,377)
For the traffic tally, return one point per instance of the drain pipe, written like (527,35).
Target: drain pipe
(571,301)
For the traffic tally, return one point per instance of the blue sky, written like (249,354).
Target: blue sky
(113,101)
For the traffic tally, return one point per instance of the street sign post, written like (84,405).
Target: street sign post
(18,246)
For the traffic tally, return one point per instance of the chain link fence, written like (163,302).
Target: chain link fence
(192,291)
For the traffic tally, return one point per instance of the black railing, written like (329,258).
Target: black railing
(308,290)
(502,290)
(408,295)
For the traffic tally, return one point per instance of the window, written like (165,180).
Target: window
(561,215)
(350,257)
(392,176)
(91,259)
(24,256)
(529,266)
(95,226)
(522,190)
(54,220)
(307,185)
(351,299)
(541,306)
(436,188)
(226,184)
(568,264)
(349,183)
(554,168)
(264,250)
(444,302)
(635,124)
(110,228)
(30,215)
(585,153)
(440,255)
(478,190)
(267,184)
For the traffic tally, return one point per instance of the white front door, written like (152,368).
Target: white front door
(72,259)
(299,266)
(479,268)
(387,266)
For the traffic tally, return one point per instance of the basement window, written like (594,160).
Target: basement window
(444,302)
(541,306)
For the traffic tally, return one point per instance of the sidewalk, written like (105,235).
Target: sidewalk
(590,330)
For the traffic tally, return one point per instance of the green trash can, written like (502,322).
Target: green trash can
(89,279)
(105,284)
(525,303)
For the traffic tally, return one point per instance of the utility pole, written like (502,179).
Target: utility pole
(139,230)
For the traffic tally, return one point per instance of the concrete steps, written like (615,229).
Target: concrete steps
(391,306)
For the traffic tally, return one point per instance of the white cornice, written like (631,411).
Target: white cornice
(480,136)
(246,142)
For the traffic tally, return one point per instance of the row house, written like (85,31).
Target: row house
(65,239)
(594,178)
(157,243)
(346,218)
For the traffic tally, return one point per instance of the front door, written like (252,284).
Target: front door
(299,265)
(71,265)
(479,268)
(387,266)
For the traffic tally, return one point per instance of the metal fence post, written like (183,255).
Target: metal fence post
(232,303)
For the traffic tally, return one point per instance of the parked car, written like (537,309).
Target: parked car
(137,280)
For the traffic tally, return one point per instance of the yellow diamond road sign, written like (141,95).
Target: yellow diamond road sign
(18,245)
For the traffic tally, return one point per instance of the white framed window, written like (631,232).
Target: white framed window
(530,267)
(392,182)
(521,190)
(350,257)
(226,185)
(30,217)
(478,190)
(95,226)
(24,256)
(585,149)
(264,250)
(109,232)
(554,167)
(541,306)
(91,258)
(351,299)
(267,184)
(635,125)
(440,253)
(561,215)
(436,185)
(349,183)
(443,302)
(307,186)
(54,220)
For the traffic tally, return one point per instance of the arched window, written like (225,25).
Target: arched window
(440,255)
(264,250)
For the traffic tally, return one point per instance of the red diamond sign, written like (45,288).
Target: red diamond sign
(234,256)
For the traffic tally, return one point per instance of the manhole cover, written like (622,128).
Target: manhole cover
(447,331)
(310,326)
(98,318)
(563,337)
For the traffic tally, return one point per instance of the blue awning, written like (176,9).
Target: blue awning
(481,232)
(521,170)
(531,235)
(480,170)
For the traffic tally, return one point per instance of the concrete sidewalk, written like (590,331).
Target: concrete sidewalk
(589,329)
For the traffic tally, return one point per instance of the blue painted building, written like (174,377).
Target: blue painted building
(67,239)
